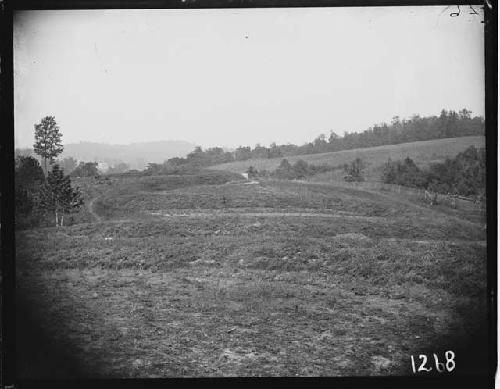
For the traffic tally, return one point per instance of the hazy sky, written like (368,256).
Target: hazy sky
(238,77)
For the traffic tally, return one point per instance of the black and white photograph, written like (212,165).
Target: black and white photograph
(251,192)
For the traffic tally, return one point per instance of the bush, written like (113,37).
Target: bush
(354,170)
(252,172)
(298,170)
(405,173)
(464,175)
(86,169)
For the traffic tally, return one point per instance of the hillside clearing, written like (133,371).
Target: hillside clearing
(422,153)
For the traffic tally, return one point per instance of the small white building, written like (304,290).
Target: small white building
(245,175)
(102,167)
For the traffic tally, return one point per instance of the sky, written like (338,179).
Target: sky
(230,77)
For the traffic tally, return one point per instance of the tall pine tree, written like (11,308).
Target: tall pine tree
(47,140)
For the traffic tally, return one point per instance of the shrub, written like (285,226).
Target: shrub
(354,170)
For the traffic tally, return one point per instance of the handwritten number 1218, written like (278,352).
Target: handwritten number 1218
(448,364)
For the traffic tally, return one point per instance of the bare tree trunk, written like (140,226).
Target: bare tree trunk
(57,220)
(62,220)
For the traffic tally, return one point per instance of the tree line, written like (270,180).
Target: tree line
(449,124)
(78,168)
(43,191)
(299,170)
(464,174)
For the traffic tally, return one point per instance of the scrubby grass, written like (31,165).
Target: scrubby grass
(128,195)
(239,294)
(422,153)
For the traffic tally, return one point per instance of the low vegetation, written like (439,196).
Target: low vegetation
(463,175)
(86,169)
(299,170)
(423,154)
(211,275)
(40,200)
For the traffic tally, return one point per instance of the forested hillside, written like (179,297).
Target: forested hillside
(449,124)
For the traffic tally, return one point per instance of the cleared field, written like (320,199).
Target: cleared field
(215,277)
(422,153)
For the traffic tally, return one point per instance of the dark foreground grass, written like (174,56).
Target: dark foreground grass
(130,323)
(258,296)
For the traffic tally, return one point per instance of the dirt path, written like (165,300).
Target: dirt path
(265,214)
(90,205)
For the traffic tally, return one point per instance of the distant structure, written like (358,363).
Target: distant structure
(102,166)
(245,175)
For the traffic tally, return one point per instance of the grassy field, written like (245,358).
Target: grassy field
(210,275)
(423,153)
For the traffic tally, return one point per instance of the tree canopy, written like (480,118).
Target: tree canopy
(58,196)
(86,169)
(463,175)
(47,140)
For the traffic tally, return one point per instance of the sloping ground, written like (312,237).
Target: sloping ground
(271,197)
(251,295)
(422,153)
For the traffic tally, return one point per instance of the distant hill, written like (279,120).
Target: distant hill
(136,155)
(423,153)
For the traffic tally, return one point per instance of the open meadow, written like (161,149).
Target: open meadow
(251,190)
(211,275)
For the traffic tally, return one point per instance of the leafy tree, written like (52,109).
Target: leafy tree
(410,174)
(47,140)
(252,172)
(28,178)
(28,172)
(23,202)
(465,114)
(260,151)
(68,164)
(243,153)
(122,167)
(86,169)
(301,169)
(320,143)
(153,168)
(465,174)
(354,170)
(405,173)
(58,197)
(333,137)
(285,165)
(389,172)
(176,161)
(284,170)
(274,151)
